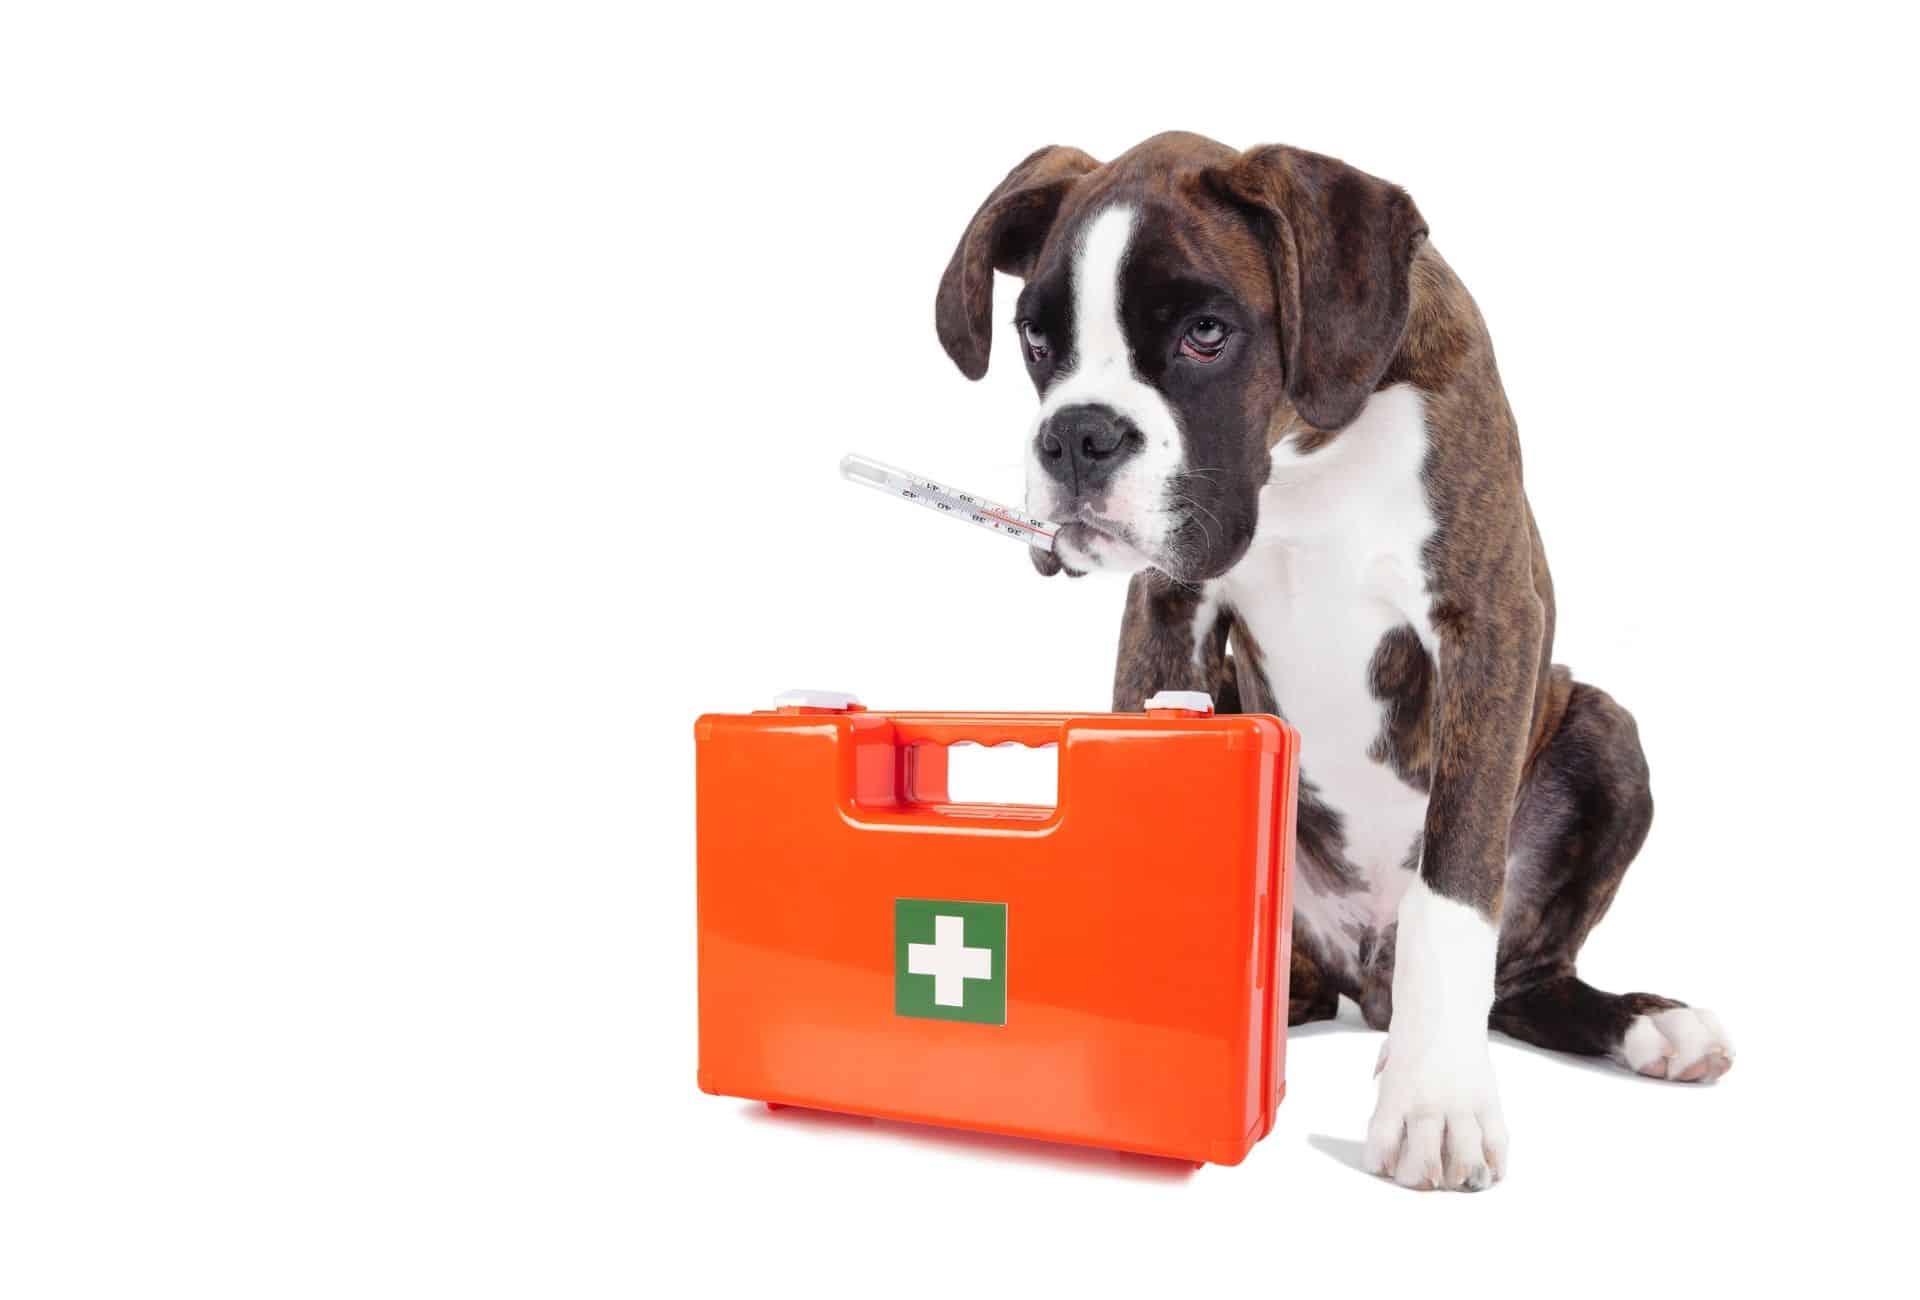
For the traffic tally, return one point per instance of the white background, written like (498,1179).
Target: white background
(414,417)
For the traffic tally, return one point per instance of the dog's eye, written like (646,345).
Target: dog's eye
(1204,339)
(1036,341)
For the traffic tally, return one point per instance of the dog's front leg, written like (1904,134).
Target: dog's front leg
(1172,638)
(1437,1121)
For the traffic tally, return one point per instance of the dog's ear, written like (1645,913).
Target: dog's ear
(1005,234)
(1342,245)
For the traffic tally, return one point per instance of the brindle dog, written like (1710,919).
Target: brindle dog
(1265,394)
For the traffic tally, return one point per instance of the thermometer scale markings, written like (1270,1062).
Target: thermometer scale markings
(925,492)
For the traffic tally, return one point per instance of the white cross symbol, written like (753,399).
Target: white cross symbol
(949,961)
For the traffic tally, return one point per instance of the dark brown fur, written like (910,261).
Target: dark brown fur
(1311,995)
(1157,650)
(1401,678)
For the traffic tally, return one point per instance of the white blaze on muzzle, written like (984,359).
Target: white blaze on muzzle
(1134,499)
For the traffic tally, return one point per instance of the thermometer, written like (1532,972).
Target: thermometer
(923,491)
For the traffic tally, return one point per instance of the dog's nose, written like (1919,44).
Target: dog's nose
(1081,446)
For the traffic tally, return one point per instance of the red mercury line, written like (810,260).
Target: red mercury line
(1015,522)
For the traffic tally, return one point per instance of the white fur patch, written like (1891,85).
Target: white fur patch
(1437,1122)
(1201,629)
(1335,566)
(1103,373)
(1685,1044)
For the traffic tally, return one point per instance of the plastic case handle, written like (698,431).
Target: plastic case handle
(1034,730)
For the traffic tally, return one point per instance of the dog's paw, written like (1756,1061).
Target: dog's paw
(1684,1044)
(1437,1124)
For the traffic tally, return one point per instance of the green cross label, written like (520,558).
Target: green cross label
(950,960)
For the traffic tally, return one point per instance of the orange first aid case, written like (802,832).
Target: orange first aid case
(1110,971)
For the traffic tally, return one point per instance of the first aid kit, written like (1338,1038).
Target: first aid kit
(1110,970)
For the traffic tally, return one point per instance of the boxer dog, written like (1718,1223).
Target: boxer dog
(1265,395)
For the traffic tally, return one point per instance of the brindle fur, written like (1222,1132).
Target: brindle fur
(1401,677)
(1523,767)
(1157,646)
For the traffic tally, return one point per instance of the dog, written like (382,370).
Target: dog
(1265,395)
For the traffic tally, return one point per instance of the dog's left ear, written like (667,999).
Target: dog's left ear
(1006,235)
(1342,245)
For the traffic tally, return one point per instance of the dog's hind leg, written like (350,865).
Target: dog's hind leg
(1311,995)
(1579,821)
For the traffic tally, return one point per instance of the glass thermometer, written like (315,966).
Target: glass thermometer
(923,491)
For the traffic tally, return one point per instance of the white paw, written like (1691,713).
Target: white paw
(1437,1123)
(1685,1044)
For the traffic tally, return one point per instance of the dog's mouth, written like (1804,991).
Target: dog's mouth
(1089,524)
(1085,533)
(1092,541)
(1187,537)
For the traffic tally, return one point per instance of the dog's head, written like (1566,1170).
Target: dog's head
(1186,307)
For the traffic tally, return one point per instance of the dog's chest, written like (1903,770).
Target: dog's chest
(1336,568)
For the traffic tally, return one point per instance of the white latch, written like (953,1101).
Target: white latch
(1191,701)
(841,700)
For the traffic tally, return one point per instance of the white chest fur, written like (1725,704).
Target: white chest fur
(1336,566)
